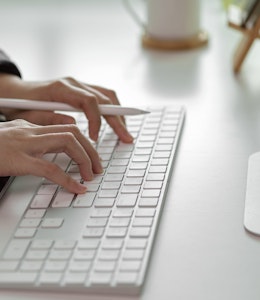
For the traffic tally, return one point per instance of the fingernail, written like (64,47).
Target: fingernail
(81,189)
(129,137)
(100,170)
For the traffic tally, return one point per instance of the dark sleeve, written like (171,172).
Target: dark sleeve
(7,66)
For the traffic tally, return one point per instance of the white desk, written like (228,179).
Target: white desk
(202,251)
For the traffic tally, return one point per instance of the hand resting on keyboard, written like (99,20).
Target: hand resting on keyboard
(23,145)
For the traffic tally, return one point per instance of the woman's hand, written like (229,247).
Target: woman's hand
(67,90)
(24,144)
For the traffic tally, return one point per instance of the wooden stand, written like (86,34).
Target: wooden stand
(195,41)
(249,37)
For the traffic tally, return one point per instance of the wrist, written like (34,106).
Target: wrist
(12,86)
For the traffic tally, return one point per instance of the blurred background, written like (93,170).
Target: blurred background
(54,38)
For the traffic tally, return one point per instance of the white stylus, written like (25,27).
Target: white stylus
(104,109)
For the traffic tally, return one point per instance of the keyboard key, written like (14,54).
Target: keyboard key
(107,193)
(31,266)
(112,244)
(97,222)
(90,243)
(52,223)
(60,254)
(111,185)
(133,181)
(138,166)
(136,243)
(74,279)
(41,201)
(143,222)
(25,232)
(105,266)
(91,187)
(120,162)
(36,254)
(143,151)
(123,155)
(105,202)
(148,202)
(153,185)
(141,158)
(155,177)
(108,254)
(33,223)
(126,278)
(100,278)
(128,266)
(84,200)
(35,213)
(55,266)
(145,212)
(136,173)
(114,177)
(131,254)
(127,200)
(130,189)
(8,278)
(150,193)
(122,147)
(116,170)
(50,278)
(84,254)
(64,244)
(63,199)
(97,179)
(8,265)
(47,189)
(80,266)
(123,212)
(157,169)
(139,232)
(101,213)
(41,244)
(116,232)
(95,232)
(159,162)
(119,222)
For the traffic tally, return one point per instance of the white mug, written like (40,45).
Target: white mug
(169,19)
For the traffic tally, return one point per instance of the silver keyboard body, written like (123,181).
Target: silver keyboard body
(99,242)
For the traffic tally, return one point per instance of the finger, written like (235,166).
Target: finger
(119,128)
(116,122)
(80,151)
(42,117)
(110,94)
(85,143)
(72,94)
(54,173)
(100,98)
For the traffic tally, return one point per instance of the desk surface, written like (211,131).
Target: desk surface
(202,251)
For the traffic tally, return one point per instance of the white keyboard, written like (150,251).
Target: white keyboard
(252,203)
(99,242)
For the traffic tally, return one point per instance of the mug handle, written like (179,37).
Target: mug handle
(134,14)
